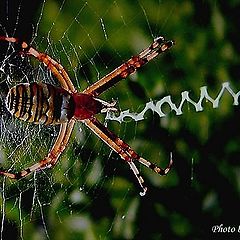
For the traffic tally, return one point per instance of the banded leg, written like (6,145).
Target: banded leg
(124,150)
(157,47)
(51,159)
(56,68)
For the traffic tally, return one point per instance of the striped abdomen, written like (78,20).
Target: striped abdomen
(40,103)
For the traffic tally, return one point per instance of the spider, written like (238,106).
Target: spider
(43,103)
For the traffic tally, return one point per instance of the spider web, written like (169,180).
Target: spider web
(91,193)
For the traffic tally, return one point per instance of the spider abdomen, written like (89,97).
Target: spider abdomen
(40,103)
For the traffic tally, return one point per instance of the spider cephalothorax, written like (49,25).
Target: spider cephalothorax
(47,104)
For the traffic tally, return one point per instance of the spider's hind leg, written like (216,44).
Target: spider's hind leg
(52,158)
(23,48)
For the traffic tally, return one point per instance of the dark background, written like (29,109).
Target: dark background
(201,191)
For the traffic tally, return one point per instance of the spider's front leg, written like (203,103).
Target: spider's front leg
(159,46)
(125,151)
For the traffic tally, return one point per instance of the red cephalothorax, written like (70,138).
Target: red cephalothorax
(85,106)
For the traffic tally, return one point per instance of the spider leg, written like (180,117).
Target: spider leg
(159,46)
(56,68)
(51,159)
(124,150)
